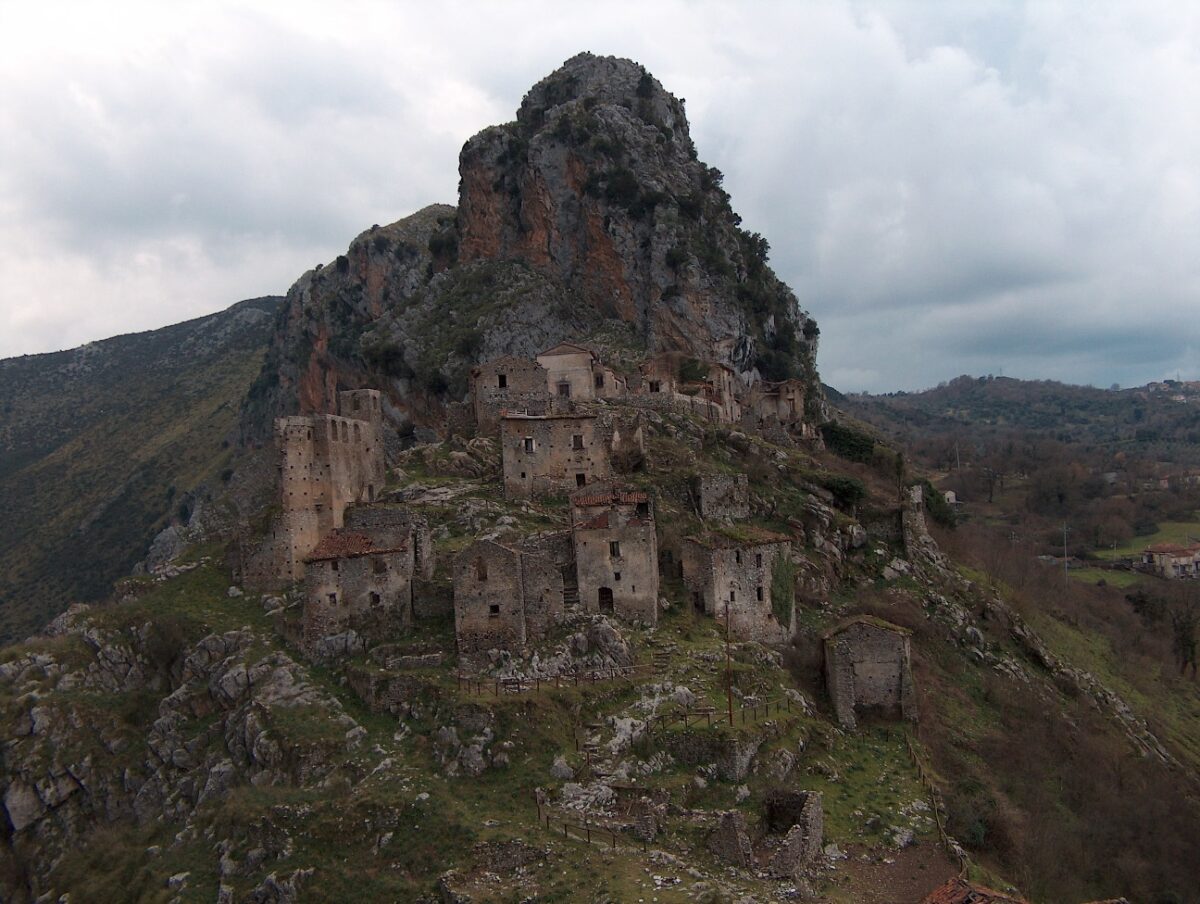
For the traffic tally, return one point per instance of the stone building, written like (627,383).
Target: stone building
(576,372)
(504,597)
(800,818)
(505,384)
(751,579)
(616,552)
(1172,560)
(705,388)
(552,454)
(327,462)
(360,577)
(722,497)
(868,668)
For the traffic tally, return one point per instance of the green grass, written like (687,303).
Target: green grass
(1168,532)
(1122,579)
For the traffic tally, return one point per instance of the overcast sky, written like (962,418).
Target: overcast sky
(950,187)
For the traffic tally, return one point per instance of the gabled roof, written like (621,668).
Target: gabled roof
(960,891)
(349,545)
(873,621)
(567,348)
(1173,549)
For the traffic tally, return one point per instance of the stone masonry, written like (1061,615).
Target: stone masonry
(742,577)
(616,552)
(552,454)
(868,668)
(504,597)
(507,384)
(722,497)
(326,463)
(800,815)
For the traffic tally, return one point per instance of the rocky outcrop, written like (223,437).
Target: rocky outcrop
(78,754)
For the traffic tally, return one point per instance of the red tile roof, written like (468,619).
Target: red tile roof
(613,497)
(348,545)
(1173,549)
(960,891)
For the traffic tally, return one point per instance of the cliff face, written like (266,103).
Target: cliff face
(597,184)
(589,218)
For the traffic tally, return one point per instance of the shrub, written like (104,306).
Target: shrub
(847,491)
(848,443)
(677,257)
(936,505)
(343,264)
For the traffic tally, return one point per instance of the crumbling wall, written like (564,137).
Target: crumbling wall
(799,815)
(489,598)
(729,840)
(740,579)
(723,497)
(552,455)
(628,570)
(524,389)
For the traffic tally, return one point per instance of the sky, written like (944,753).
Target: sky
(949,187)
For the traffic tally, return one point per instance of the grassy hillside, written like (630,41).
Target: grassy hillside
(100,446)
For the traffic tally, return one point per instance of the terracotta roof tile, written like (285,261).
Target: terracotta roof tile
(614,497)
(348,545)
(960,891)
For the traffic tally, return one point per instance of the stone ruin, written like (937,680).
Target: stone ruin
(799,816)
(868,668)
(722,497)
(730,841)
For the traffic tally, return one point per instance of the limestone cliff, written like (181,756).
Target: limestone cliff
(589,217)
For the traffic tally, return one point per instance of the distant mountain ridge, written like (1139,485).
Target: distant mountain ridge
(102,445)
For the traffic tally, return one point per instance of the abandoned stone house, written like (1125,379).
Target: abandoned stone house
(504,597)
(616,552)
(361,576)
(505,384)
(576,372)
(722,497)
(781,403)
(708,389)
(326,463)
(552,454)
(868,669)
(748,581)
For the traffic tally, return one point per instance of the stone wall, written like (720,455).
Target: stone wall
(800,816)
(732,756)
(326,463)
(513,384)
(616,564)
(723,497)
(868,668)
(391,524)
(737,578)
(489,607)
(551,455)
(730,841)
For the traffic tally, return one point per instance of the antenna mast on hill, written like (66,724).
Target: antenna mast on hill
(1066,567)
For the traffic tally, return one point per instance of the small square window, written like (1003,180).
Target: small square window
(564,390)
(655,386)
(493,609)
(616,575)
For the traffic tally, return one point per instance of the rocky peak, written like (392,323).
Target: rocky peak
(597,186)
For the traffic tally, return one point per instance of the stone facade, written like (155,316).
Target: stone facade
(722,497)
(504,597)
(868,667)
(552,454)
(743,578)
(507,384)
(616,552)
(326,463)
(575,372)
(707,389)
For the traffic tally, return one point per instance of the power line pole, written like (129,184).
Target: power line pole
(1066,576)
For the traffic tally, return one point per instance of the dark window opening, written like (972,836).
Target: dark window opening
(737,556)
(376,599)
(759,593)
(580,480)
(599,381)
(605,598)
(333,599)
(480,570)
(564,390)
(502,381)
(529,444)
(577,441)
(643,510)
(494,609)
(655,386)
(758,560)
(697,602)
(334,565)
(732,596)
(616,575)
(378,566)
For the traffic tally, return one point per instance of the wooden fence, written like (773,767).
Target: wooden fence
(935,801)
(601,835)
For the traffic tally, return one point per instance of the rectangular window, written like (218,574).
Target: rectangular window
(529,444)
(758,560)
(580,480)
(502,381)
(614,548)
(655,386)
(737,556)
(732,596)
(564,390)
(759,593)
(577,441)
(493,610)
(616,575)
(334,565)
(333,599)
(599,381)
(376,599)
(378,566)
